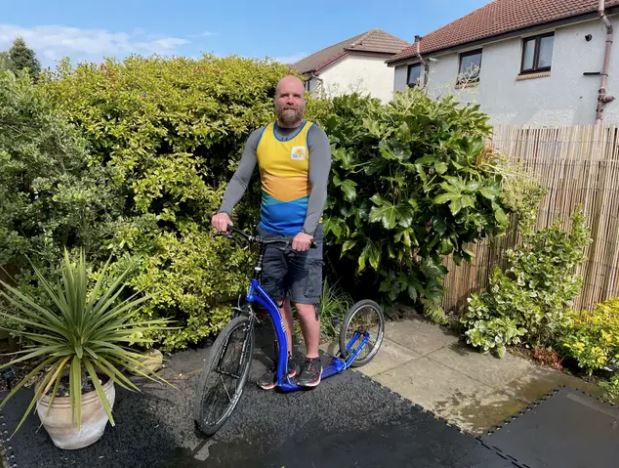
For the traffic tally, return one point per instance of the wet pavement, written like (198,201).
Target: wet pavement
(432,367)
(348,421)
(567,428)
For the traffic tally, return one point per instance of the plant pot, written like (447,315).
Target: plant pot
(59,425)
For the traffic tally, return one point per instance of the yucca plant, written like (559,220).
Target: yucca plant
(86,333)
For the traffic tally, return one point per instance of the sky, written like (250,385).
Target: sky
(285,31)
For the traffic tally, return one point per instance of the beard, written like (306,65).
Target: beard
(289,116)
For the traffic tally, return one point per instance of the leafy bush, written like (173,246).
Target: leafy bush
(592,337)
(130,159)
(611,388)
(170,132)
(530,298)
(53,193)
(411,183)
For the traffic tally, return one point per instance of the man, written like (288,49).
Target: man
(294,159)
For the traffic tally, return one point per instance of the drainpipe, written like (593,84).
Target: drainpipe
(603,98)
(422,60)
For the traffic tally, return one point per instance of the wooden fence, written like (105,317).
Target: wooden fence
(580,167)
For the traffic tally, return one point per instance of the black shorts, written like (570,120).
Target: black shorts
(293,275)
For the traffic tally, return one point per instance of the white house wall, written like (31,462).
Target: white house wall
(356,73)
(566,97)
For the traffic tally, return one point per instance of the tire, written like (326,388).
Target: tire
(224,376)
(365,315)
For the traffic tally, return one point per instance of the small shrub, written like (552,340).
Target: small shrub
(529,300)
(547,356)
(611,389)
(592,337)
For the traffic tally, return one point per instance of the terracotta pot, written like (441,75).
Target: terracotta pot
(59,425)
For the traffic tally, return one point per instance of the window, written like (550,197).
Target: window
(537,53)
(470,66)
(413,77)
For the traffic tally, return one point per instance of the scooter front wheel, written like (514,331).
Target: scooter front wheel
(222,381)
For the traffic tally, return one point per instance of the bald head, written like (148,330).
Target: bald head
(289,81)
(289,101)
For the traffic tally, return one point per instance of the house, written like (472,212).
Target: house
(526,62)
(355,64)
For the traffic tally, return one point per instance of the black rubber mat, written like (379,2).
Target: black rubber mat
(565,429)
(347,421)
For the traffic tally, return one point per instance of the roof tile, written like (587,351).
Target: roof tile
(498,17)
(373,41)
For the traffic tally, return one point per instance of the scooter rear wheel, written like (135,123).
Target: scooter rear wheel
(364,316)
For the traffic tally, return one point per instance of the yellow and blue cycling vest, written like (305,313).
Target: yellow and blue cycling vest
(284,175)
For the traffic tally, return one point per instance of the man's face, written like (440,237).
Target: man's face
(289,102)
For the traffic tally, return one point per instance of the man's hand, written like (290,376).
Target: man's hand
(302,242)
(221,221)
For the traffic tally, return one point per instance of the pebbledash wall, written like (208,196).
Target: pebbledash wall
(362,73)
(566,97)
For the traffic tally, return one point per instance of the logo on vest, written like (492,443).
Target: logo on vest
(298,153)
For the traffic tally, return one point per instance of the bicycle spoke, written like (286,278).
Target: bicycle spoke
(223,384)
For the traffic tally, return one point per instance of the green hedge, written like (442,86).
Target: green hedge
(130,159)
(170,132)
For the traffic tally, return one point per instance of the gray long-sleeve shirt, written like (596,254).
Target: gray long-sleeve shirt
(319,166)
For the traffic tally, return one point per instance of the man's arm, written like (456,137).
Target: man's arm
(319,166)
(239,182)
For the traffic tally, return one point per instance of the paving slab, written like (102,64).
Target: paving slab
(479,412)
(428,383)
(419,335)
(472,405)
(483,367)
(540,381)
(390,356)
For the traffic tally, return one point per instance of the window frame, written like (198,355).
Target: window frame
(536,52)
(462,55)
(408,74)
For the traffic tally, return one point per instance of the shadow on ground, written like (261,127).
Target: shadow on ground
(348,421)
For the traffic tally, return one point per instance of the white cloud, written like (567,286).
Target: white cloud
(291,58)
(52,42)
(204,34)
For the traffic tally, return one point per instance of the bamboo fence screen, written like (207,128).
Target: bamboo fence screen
(580,167)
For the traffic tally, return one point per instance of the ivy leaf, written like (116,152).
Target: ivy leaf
(455,206)
(349,188)
(444,198)
(440,167)
(370,254)
(347,245)
(488,192)
(386,214)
